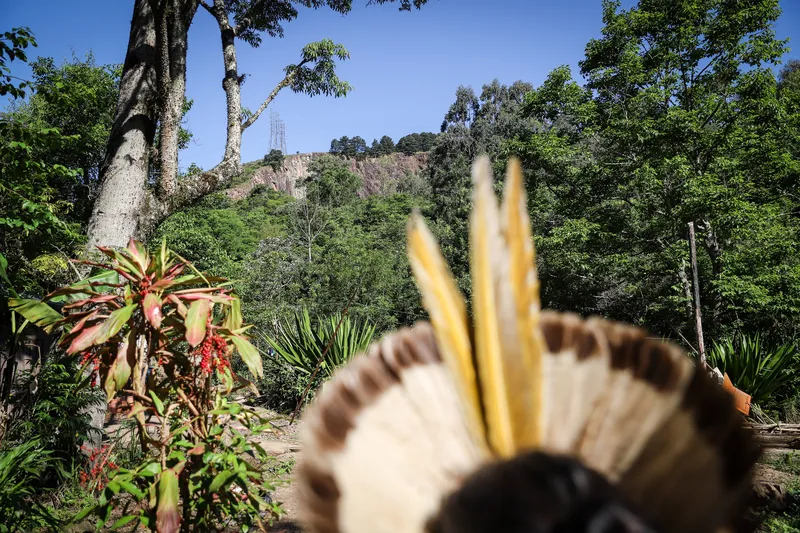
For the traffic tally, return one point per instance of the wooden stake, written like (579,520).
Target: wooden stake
(698,317)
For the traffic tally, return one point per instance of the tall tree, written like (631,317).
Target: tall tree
(682,120)
(77,97)
(152,96)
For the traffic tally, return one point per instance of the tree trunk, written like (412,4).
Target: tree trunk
(698,317)
(230,83)
(173,34)
(123,177)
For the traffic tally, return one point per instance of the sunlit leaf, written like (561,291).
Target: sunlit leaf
(36,311)
(220,480)
(168,518)
(114,323)
(152,309)
(233,318)
(151,469)
(124,521)
(158,403)
(250,355)
(182,309)
(128,268)
(196,319)
(138,253)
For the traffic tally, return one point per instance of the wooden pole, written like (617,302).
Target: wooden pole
(698,317)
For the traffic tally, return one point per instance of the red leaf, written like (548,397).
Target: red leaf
(196,319)
(218,298)
(85,339)
(152,309)
(120,369)
(82,322)
(138,253)
(106,298)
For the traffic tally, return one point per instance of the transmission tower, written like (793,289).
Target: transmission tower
(277,132)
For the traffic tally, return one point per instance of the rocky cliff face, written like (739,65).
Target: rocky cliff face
(380,174)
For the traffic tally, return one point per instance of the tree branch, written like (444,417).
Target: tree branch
(285,82)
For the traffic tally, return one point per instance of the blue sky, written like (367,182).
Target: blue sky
(405,67)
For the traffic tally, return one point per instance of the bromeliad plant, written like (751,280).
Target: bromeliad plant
(152,326)
(302,343)
(754,367)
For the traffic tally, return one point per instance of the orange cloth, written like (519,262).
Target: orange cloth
(740,398)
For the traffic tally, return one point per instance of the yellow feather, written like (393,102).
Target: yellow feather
(447,310)
(485,249)
(525,345)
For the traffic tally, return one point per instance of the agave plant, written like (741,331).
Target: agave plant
(752,366)
(302,343)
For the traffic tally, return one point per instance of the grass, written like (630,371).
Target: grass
(787,520)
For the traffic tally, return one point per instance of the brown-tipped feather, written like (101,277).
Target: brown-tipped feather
(690,471)
(409,437)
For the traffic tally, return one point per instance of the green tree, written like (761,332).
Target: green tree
(34,216)
(416,142)
(330,182)
(682,120)
(78,98)
(274,159)
(473,125)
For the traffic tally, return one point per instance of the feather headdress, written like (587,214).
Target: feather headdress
(516,419)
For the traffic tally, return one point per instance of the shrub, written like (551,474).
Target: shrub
(302,344)
(21,467)
(155,327)
(53,411)
(757,369)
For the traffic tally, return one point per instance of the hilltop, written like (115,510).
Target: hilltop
(380,174)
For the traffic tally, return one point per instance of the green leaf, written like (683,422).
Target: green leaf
(36,311)
(233,318)
(120,369)
(196,319)
(123,521)
(220,479)
(132,489)
(84,513)
(157,401)
(249,355)
(4,276)
(168,518)
(151,469)
(101,282)
(114,323)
